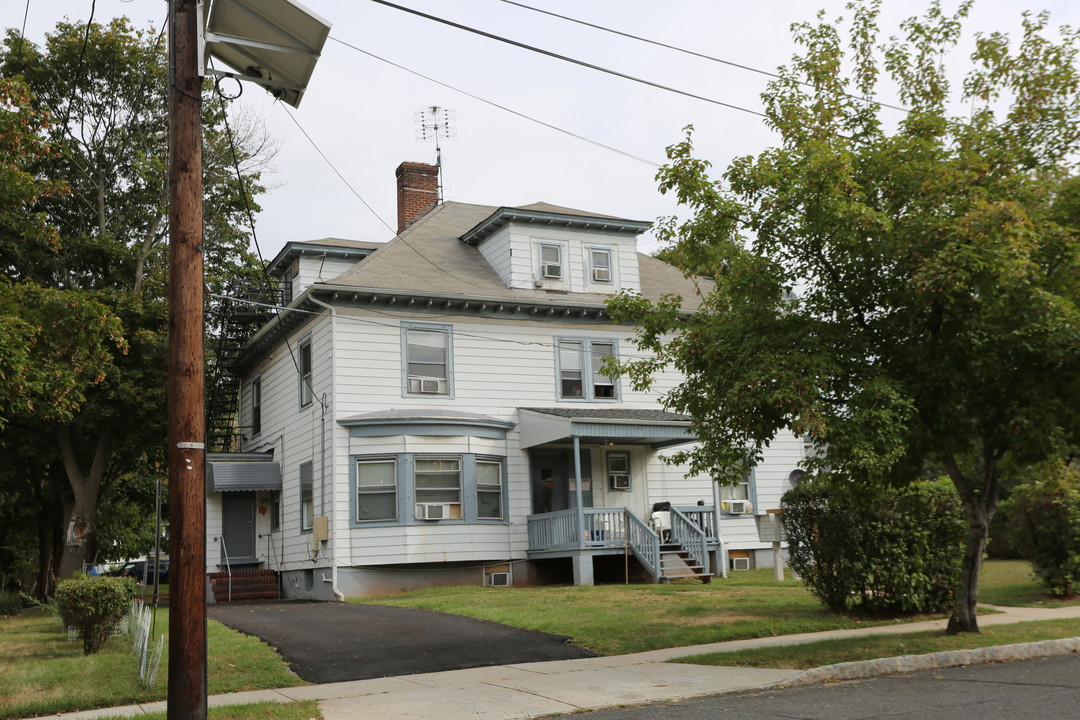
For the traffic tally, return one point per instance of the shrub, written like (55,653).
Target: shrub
(888,552)
(1046,526)
(94,606)
(11,603)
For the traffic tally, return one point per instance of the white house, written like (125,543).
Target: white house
(403,414)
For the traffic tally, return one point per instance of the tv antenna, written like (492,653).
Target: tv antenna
(435,123)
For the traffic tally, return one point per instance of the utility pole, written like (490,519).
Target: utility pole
(186,393)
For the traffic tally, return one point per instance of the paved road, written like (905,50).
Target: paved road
(1019,690)
(336,642)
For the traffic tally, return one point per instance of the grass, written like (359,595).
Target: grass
(41,673)
(306,710)
(1010,583)
(830,652)
(619,619)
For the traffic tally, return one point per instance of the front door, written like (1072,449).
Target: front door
(238,527)
(558,467)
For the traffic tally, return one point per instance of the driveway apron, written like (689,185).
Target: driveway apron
(336,642)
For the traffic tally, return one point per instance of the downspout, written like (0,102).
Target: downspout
(578,494)
(332,515)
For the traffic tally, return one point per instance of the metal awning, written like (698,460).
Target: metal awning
(654,428)
(240,472)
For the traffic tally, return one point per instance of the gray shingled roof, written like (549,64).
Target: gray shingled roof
(613,414)
(429,257)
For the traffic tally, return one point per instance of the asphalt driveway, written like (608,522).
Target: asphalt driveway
(335,642)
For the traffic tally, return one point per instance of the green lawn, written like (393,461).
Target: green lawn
(1010,583)
(830,652)
(619,619)
(41,673)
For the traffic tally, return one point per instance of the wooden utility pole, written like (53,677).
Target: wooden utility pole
(187,421)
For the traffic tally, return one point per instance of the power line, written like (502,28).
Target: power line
(498,106)
(689,52)
(568,59)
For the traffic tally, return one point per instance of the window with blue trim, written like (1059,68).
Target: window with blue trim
(580,363)
(418,488)
(427,351)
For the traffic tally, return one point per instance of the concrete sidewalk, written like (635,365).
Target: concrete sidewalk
(513,692)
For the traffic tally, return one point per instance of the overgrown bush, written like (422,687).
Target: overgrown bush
(11,603)
(1045,522)
(894,551)
(94,606)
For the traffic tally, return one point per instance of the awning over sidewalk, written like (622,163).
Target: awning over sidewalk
(654,428)
(239,472)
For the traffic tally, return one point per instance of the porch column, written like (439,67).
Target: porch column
(580,510)
(583,571)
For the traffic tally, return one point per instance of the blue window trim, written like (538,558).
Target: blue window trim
(612,262)
(406,490)
(431,327)
(586,369)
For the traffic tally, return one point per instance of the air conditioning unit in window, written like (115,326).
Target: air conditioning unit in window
(740,563)
(601,275)
(619,481)
(432,386)
(552,270)
(736,507)
(497,579)
(432,511)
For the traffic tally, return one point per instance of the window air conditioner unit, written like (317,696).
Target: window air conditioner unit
(740,563)
(552,271)
(735,507)
(601,274)
(619,481)
(497,579)
(432,511)
(432,386)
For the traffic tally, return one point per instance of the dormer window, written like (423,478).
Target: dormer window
(551,261)
(600,265)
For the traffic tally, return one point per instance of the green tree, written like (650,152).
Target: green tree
(899,287)
(104,88)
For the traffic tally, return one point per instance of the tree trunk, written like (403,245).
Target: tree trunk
(980,500)
(79,526)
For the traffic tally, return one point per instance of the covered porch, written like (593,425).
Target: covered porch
(675,542)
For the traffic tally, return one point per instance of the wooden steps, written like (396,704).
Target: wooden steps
(247,585)
(676,564)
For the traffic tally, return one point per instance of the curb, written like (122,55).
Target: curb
(932,661)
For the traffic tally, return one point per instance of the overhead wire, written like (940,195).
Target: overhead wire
(566,58)
(693,53)
(504,108)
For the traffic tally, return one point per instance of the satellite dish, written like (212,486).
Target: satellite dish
(274,43)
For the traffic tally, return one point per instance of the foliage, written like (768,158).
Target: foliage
(897,551)
(84,316)
(899,287)
(1046,526)
(94,606)
(11,603)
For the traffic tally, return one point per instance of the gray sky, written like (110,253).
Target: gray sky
(359,110)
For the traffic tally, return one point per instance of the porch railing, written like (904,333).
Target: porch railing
(558,530)
(645,543)
(689,534)
(704,516)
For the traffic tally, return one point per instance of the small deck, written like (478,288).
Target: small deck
(683,551)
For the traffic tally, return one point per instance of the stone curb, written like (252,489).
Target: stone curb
(932,661)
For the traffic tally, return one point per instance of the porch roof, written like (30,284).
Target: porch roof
(654,428)
(239,472)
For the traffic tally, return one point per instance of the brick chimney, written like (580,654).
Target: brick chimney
(417,192)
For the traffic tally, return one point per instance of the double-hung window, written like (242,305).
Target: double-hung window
(738,499)
(376,489)
(428,369)
(489,489)
(438,479)
(600,270)
(551,261)
(307,496)
(256,406)
(580,367)
(304,363)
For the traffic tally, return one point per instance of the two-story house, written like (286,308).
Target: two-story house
(433,410)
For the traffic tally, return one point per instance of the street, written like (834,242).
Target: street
(1018,690)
